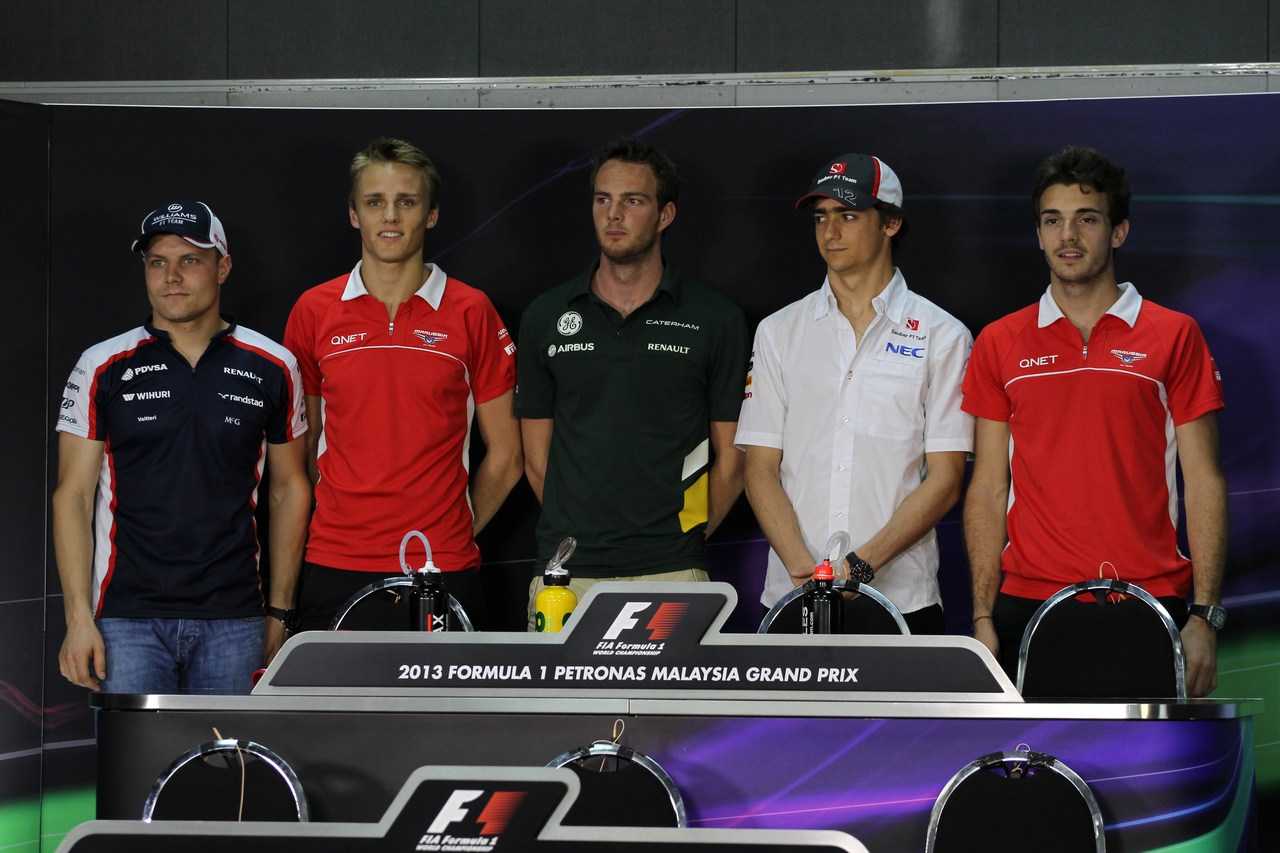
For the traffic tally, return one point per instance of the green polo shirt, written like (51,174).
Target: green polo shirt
(632,399)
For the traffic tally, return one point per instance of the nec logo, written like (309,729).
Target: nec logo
(904,349)
(660,626)
(490,822)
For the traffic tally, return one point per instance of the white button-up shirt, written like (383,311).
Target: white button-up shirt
(854,421)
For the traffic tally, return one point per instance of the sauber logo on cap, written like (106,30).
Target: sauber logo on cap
(452,825)
(837,168)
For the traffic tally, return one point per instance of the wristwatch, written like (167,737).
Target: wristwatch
(860,570)
(1213,614)
(289,618)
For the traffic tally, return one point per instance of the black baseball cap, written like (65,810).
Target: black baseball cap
(193,221)
(857,181)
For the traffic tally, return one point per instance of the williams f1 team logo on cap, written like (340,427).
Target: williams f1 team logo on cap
(454,829)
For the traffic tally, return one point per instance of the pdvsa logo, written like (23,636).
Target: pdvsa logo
(131,372)
(453,827)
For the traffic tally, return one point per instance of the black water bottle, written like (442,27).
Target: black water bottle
(428,601)
(823,603)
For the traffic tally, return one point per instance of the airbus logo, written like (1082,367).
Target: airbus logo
(131,372)
(553,349)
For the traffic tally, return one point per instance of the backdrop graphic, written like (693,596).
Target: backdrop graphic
(514,221)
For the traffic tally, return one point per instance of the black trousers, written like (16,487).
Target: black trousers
(1011,615)
(323,590)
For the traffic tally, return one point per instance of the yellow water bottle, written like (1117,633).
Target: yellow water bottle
(555,601)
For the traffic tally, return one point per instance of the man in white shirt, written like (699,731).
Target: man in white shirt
(851,419)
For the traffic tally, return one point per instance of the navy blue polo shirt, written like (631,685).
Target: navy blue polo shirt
(174,532)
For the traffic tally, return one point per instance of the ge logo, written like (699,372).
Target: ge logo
(570,323)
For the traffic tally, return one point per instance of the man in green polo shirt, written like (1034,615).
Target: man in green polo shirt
(629,384)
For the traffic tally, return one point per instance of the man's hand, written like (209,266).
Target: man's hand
(984,631)
(1200,645)
(83,658)
(273,638)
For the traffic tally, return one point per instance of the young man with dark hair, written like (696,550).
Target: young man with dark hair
(629,392)
(851,419)
(397,359)
(1084,400)
(162,435)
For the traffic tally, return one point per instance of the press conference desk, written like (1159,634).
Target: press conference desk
(867,757)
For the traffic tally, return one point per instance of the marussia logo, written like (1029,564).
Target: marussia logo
(451,825)
(660,626)
(430,338)
(913,325)
(1127,357)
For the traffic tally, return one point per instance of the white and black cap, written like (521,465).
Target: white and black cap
(857,181)
(193,221)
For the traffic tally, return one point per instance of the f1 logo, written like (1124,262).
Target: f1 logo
(625,618)
(837,168)
(493,819)
(452,811)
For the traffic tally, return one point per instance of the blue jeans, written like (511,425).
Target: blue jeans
(181,655)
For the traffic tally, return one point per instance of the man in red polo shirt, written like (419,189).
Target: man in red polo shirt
(397,359)
(1084,402)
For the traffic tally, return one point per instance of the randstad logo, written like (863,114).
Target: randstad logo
(660,626)
(451,829)
(131,372)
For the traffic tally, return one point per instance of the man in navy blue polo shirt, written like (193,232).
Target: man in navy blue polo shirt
(164,432)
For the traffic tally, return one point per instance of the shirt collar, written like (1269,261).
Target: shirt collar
(669,284)
(431,292)
(162,335)
(891,302)
(1126,307)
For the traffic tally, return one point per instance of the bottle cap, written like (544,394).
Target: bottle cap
(558,576)
(823,571)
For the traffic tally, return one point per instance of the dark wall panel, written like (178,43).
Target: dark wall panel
(576,37)
(337,38)
(145,40)
(1273,31)
(1103,32)
(29,414)
(853,36)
